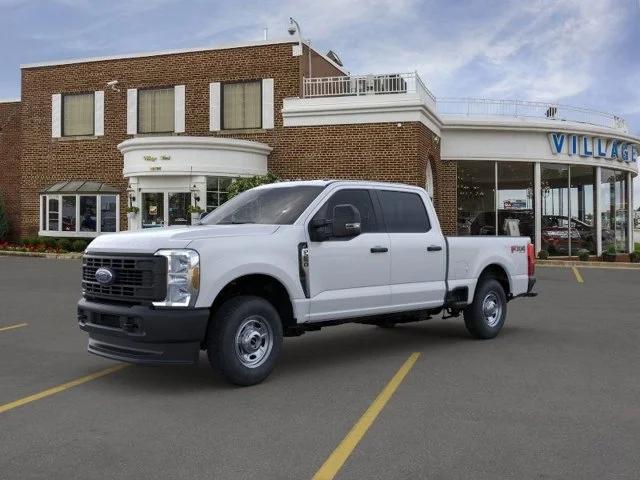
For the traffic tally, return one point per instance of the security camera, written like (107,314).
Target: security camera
(112,85)
(291,29)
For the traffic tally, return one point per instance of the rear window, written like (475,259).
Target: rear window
(404,212)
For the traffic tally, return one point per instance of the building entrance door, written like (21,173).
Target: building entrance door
(178,204)
(153,210)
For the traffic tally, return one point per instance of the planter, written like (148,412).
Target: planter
(195,218)
(132,220)
(616,257)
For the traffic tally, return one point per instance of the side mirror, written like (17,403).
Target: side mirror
(346,221)
(319,229)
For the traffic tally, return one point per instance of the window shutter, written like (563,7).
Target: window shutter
(214,106)
(98,111)
(267,103)
(56,115)
(178,98)
(132,111)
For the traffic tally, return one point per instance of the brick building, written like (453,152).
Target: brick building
(161,131)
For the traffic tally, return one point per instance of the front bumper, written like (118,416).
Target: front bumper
(143,334)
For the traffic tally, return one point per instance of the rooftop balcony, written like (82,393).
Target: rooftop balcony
(411,84)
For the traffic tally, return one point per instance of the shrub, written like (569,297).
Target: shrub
(65,244)
(4,221)
(583,254)
(78,245)
(543,255)
(241,184)
(634,257)
(49,242)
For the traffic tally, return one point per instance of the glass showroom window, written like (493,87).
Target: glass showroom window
(242,105)
(78,215)
(476,198)
(77,114)
(156,110)
(614,214)
(217,188)
(515,199)
(568,206)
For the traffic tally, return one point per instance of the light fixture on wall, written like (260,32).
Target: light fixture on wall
(132,194)
(436,139)
(195,192)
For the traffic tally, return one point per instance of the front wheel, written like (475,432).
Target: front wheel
(485,317)
(245,339)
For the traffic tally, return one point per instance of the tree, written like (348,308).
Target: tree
(241,184)
(4,221)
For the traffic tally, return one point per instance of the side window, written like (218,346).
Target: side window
(404,212)
(359,198)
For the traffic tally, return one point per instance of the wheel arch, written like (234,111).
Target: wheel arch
(496,272)
(261,285)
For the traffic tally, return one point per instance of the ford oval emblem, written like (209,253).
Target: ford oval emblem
(104,276)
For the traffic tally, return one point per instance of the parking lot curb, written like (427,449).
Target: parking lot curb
(59,256)
(577,263)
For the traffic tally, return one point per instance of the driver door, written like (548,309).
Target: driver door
(349,276)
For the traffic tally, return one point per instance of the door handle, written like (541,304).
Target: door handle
(434,248)
(379,249)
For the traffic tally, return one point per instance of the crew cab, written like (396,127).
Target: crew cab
(284,259)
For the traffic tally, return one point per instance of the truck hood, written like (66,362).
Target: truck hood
(153,239)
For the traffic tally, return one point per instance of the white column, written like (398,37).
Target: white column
(537,205)
(598,215)
(630,211)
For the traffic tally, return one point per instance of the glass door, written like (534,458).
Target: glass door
(153,210)
(178,204)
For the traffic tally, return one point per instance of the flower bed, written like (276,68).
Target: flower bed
(44,245)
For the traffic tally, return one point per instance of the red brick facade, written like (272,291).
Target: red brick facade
(383,151)
(9,160)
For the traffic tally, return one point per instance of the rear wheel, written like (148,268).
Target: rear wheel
(245,339)
(485,317)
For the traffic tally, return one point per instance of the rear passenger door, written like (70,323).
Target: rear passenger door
(417,252)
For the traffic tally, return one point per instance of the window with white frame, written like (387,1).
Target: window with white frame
(242,105)
(217,188)
(82,215)
(78,114)
(156,110)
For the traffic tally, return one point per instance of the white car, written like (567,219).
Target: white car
(287,258)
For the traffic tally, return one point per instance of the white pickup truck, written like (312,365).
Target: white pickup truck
(287,258)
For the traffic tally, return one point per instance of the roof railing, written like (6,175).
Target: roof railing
(525,109)
(358,85)
(411,83)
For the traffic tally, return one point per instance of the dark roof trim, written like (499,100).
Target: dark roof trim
(80,187)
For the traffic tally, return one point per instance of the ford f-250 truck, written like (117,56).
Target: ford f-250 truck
(283,259)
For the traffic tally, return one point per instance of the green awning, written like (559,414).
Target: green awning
(81,187)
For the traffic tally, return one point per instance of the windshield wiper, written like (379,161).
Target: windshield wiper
(233,222)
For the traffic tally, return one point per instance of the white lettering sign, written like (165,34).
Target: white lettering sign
(591,146)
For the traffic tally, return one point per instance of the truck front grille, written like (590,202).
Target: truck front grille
(136,278)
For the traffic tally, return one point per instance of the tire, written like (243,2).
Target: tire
(245,339)
(485,317)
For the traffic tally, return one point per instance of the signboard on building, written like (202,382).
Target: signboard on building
(593,146)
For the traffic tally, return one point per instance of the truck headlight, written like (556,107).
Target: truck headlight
(183,278)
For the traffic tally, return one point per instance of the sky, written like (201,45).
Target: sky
(577,52)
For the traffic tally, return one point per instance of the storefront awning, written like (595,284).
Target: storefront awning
(80,186)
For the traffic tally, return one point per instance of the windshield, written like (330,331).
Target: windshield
(270,206)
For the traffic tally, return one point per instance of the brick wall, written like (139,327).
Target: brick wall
(45,161)
(383,152)
(9,162)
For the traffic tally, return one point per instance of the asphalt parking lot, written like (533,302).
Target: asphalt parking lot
(556,395)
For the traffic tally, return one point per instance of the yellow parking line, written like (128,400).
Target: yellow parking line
(60,388)
(577,274)
(336,460)
(11,327)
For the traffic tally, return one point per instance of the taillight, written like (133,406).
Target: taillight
(531,259)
